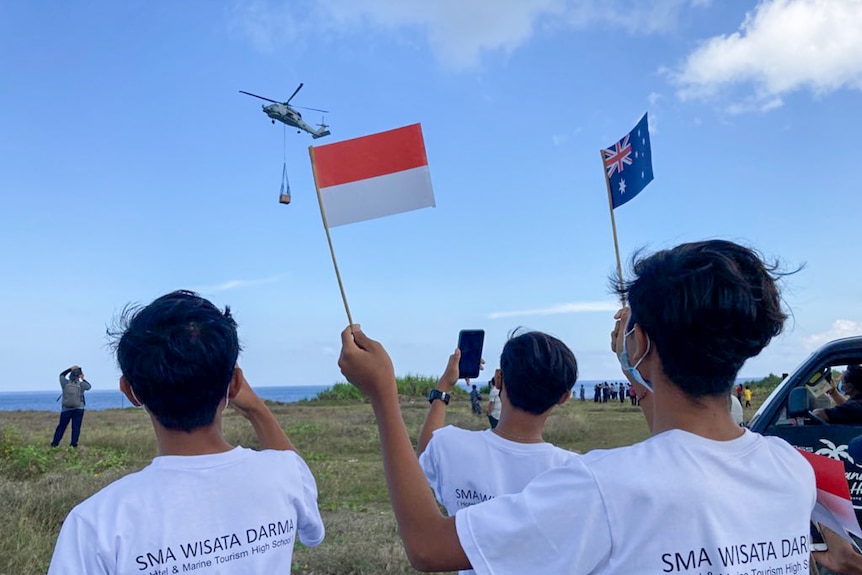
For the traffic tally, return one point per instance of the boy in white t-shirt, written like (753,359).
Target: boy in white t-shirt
(668,504)
(495,406)
(463,467)
(202,505)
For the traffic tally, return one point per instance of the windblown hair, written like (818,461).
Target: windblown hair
(707,307)
(178,354)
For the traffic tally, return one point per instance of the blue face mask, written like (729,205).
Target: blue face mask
(632,370)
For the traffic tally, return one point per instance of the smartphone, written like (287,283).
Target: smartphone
(470,342)
(817,541)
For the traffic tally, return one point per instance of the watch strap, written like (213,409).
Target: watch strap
(437,394)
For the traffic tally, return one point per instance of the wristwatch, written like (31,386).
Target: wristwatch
(437,394)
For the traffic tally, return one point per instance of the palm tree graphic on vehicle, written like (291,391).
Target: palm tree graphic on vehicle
(833,451)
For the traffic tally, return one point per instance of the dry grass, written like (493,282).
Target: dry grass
(38,486)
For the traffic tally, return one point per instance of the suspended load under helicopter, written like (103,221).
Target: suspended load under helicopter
(290,116)
(284,194)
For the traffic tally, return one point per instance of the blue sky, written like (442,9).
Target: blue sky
(131,166)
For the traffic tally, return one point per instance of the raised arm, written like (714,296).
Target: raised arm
(430,539)
(64,373)
(252,407)
(436,417)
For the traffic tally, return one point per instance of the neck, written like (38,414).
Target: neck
(519,426)
(200,441)
(707,417)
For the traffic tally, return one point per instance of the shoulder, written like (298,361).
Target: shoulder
(282,461)
(453,443)
(452,435)
(125,490)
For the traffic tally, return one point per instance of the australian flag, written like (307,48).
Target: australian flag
(628,164)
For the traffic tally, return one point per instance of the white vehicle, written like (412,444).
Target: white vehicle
(788,411)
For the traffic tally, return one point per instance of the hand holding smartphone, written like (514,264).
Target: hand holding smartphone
(817,541)
(470,342)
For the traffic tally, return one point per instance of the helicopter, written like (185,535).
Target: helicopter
(287,114)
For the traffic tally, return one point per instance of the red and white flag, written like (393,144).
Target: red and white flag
(373,176)
(834,507)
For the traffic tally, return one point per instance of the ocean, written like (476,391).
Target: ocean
(112,399)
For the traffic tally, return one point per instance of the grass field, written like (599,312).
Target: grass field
(338,440)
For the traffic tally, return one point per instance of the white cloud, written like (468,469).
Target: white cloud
(571,307)
(266,27)
(840,328)
(781,47)
(459,32)
(237,284)
(632,15)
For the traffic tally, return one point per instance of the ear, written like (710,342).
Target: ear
(640,339)
(126,388)
(498,379)
(565,397)
(235,382)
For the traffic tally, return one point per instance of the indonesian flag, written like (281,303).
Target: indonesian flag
(834,507)
(373,176)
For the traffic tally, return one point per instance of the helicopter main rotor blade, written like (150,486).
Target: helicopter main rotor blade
(256,96)
(298,88)
(315,109)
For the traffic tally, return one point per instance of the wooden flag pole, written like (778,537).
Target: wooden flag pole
(613,226)
(328,238)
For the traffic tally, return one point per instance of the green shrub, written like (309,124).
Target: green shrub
(408,386)
(340,392)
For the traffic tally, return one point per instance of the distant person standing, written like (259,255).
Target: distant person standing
(622,392)
(583,395)
(495,406)
(476,401)
(747,396)
(73,403)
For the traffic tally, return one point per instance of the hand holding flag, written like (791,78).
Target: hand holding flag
(628,169)
(370,177)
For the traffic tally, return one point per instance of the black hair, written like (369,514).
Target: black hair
(538,369)
(178,354)
(707,307)
(853,377)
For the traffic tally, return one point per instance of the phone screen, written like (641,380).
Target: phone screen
(470,342)
(817,541)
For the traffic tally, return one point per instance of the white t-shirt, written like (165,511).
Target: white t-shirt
(497,405)
(674,504)
(233,512)
(467,467)
(736,410)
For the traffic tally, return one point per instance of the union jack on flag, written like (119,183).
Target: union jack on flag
(628,164)
(620,154)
